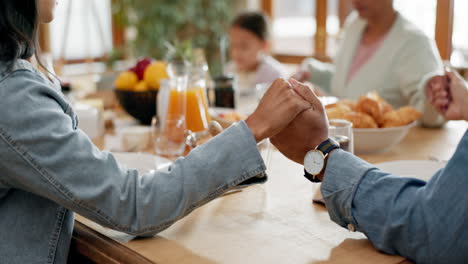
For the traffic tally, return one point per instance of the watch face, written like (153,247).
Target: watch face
(314,161)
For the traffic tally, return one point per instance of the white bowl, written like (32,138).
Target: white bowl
(373,140)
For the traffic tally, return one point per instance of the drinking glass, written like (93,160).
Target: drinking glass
(342,132)
(169,136)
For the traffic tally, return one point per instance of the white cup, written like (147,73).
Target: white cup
(135,138)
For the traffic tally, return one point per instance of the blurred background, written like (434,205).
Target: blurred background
(90,36)
(94,45)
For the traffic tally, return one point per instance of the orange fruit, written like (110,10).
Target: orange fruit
(141,86)
(126,81)
(154,74)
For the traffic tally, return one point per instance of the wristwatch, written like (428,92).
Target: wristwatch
(314,160)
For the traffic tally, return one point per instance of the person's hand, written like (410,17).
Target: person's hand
(278,107)
(307,131)
(449,95)
(436,89)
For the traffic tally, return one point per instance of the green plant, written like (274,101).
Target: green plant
(202,22)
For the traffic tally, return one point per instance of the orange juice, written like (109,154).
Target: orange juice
(196,110)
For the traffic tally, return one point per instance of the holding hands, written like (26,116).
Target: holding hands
(278,107)
(308,130)
(292,116)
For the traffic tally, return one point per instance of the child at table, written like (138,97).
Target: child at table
(249,44)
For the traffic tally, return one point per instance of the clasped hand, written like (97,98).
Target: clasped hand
(292,116)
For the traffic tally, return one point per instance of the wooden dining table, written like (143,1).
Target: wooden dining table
(275,222)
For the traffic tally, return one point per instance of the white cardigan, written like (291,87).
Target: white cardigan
(398,70)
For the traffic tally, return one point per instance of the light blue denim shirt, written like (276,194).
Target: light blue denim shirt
(426,222)
(49,168)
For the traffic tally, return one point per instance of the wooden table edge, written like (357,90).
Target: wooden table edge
(102,249)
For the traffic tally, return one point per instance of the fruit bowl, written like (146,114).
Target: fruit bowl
(137,88)
(374,140)
(140,105)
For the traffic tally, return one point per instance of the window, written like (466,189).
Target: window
(84,38)
(460,35)
(293,27)
(333,27)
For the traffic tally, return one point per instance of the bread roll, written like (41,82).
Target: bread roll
(401,117)
(360,120)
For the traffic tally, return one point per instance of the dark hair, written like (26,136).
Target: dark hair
(18,30)
(254,22)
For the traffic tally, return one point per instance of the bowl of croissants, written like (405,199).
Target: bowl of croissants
(377,126)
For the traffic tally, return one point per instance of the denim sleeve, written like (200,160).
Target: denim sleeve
(43,153)
(425,222)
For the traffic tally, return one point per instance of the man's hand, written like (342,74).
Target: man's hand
(278,107)
(307,131)
(449,95)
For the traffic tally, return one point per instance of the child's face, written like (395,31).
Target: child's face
(245,48)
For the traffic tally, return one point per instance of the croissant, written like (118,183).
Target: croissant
(369,106)
(372,111)
(373,105)
(337,111)
(360,120)
(401,117)
(350,103)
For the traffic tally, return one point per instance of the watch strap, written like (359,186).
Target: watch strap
(327,146)
(311,177)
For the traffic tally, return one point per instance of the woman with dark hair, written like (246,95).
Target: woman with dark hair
(49,168)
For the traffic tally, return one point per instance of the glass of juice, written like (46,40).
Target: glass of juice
(168,128)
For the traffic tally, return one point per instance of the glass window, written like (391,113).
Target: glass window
(293,27)
(460,35)
(333,27)
(421,12)
(85,39)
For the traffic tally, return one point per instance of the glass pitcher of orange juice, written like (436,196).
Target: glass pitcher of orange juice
(197,116)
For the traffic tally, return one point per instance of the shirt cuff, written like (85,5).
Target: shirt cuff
(250,153)
(261,176)
(343,174)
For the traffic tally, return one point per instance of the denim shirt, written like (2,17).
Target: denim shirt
(426,222)
(49,168)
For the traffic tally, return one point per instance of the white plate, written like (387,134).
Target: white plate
(141,161)
(419,169)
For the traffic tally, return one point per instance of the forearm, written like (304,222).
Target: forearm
(157,200)
(425,222)
(76,175)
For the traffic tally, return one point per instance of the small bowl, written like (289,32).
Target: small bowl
(374,140)
(140,105)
